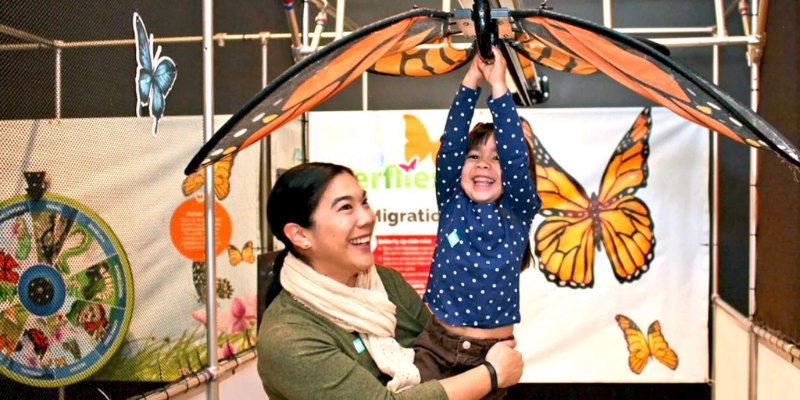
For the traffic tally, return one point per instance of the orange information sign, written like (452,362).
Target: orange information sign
(188,232)
(408,254)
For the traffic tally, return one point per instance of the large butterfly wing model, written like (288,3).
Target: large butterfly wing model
(318,77)
(405,45)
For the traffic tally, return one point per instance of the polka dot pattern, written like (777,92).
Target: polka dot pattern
(474,279)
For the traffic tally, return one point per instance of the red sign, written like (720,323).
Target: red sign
(410,255)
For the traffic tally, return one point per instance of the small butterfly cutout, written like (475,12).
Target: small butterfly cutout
(222,175)
(246,254)
(641,348)
(155,75)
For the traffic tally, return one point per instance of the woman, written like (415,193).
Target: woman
(341,327)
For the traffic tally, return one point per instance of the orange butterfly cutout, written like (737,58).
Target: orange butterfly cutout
(236,256)
(222,175)
(418,143)
(575,224)
(641,349)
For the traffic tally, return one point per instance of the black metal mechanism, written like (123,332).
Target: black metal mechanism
(485,29)
(490,27)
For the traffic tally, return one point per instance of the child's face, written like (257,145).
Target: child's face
(481,176)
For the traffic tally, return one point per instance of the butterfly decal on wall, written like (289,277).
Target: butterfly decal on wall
(224,287)
(418,143)
(155,74)
(419,43)
(246,254)
(412,165)
(222,176)
(641,348)
(575,224)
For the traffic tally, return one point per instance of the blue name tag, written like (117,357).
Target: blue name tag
(359,345)
(452,237)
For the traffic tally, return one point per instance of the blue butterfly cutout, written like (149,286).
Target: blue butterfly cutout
(154,75)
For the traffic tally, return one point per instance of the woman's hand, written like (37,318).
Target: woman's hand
(506,361)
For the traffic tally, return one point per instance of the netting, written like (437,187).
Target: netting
(102,266)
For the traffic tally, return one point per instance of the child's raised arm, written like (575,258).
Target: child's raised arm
(495,73)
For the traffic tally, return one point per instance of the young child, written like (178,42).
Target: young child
(487,200)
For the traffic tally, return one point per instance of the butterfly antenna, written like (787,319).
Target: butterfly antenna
(158,52)
(155,126)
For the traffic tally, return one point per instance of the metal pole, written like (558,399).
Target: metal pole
(212,388)
(754,86)
(266,161)
(721,32)
(714,222)
(364,92)
(339,29)
(305,23)
(58,83)
(607,14)
(288,8)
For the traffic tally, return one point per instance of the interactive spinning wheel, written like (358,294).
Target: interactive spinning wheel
(66,291)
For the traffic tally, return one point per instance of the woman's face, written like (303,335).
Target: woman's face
(341,229)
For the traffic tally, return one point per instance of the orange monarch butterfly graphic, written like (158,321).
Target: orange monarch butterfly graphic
(222,175)
(418,144)
(575,224)
(246,254)
(641,348)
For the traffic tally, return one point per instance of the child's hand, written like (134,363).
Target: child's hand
(495,73)
(474,74)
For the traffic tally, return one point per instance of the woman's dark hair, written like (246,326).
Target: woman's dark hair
(478,136)
(293,199)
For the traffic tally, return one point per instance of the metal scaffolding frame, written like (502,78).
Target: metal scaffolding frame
(305,42)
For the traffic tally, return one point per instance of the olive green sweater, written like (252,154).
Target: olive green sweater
(303,355)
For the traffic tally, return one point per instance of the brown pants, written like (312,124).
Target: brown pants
(438,353)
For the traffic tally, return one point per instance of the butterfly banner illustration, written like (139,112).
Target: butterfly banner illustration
(564,328)
(155,74)
(623,230)
(401,45)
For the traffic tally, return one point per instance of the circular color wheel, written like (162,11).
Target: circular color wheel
(66,291)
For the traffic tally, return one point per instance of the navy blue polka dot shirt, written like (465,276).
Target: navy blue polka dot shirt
(474,279)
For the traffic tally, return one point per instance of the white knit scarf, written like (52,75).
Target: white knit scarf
(365,309)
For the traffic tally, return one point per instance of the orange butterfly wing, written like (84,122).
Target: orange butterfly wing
(648,72)
(248,255)
(625,222)
(638,349)
(318,77)
(544,52)
(659,347)
(234,255)
(418,143)
(565,241)
(222,174)
(420,62)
